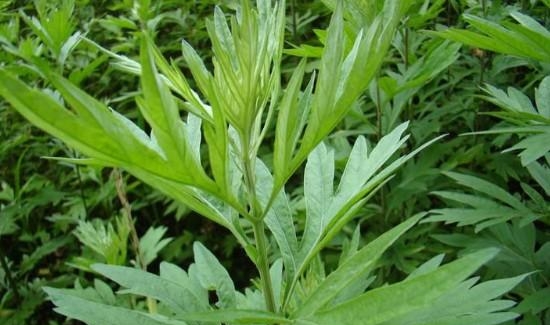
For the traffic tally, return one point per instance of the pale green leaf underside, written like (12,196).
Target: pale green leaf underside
(94,313)
(382,305)
(358,265)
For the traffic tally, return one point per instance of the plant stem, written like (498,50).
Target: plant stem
(127,211)
(262,264)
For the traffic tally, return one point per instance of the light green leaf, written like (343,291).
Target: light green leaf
(49,115)
(362,166)
(528,39)
(318,191)
(94,313)
(541,174)
(426,267)
(174,295)
(197,200)
(213,276)
(542,96)
(276,274)
(233,316)
(348,209)
(478,319)
(466,302)
(151,243)
(386,303)
(344,76)
(534,147)
(107,137)
(174,273)
(475,201)
(291,119)
(356,266)
(361,180)
(198,69)
(176,81)
(161,112)
(278,219)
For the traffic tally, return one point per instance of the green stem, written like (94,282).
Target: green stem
(262,264)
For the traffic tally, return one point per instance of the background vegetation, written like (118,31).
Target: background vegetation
(477,71)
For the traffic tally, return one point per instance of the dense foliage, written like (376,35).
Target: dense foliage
(307,162)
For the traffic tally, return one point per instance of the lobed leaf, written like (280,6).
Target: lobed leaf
(94,313)
(176,296)
(356,266)
(233,316)
(278,219)
(213,276)
(382,305)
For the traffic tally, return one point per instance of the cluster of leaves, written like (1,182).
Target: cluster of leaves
(300,155)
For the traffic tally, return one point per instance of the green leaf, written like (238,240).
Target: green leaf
(7,224)
(514,100)
(174,295)
(318,192)
(106,136)
(478,216)
(179,84)
(417,75)
(30,261)
(291,119)
(232,316)
(197,200)
(542,96)
(213,276)
(527,39)
(356,266)
(174,273)
(344,76)
(534,147)
(151,243)
(386,303)
(535,302)
(488,188)
(327,213)
(278,219)
(426,267)
(49,115)
(108,241)
(94,313)
(541,174)
(161,112)
(466,302)
(198,69)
